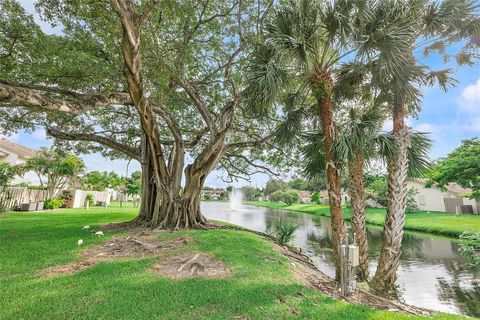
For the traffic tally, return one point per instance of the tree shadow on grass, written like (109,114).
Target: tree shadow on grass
(123,290)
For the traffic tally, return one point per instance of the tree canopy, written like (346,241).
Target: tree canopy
(7,173)
(55,169)
(158,83)
(95,180)
(461,166)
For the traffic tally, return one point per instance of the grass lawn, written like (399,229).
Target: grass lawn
(259,287)
(434,222)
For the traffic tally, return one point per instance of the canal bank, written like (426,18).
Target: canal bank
(432,273)
(441,223)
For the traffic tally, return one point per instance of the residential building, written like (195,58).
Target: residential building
(14,153)
(212,194)
(448,200)
(305,196)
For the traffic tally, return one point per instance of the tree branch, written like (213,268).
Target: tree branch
(254,143)
(90,137)
(199,103)
(251,163)
(31,96)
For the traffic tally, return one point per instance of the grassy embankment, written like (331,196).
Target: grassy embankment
(434,222)
(259,287)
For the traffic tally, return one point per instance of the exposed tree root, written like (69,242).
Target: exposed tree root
(138,225)
(139,246)
(191,265)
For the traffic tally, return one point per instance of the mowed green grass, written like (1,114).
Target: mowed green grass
(260,286)
(434,222)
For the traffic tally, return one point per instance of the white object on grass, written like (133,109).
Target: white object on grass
(86,227)
(99,233)
(79,242)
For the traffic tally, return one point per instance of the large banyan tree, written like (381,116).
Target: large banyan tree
(155,81)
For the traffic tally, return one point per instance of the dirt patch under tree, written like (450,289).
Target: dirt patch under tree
(191,264)
(138,246)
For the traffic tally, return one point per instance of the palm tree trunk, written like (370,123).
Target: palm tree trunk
(322,86)
(356,190)
(389,260)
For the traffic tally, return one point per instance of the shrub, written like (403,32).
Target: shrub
(276,196)
(288,196)
(283,231)
(54,203)
(67,198)
(377,190)
(316,198)
(469,246)
(411,202)
(90,199)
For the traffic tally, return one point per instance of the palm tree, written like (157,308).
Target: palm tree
(298,56)
(359,144)
(357,147)
(428,26)
(304,42)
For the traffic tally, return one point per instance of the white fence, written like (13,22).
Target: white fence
(98,196)
(12,198)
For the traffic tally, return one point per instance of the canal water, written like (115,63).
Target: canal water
(432,273)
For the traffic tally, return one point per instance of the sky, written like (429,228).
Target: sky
(449,117)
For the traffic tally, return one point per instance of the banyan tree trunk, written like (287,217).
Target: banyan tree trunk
(386,273)
(356,190)
(322,86)
(164,205)
(168,209)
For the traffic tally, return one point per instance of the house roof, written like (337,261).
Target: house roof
(19,150)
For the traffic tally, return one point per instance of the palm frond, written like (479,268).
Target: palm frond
(290,129)
(442,77)
(419,161)
(313,153)
(265,80)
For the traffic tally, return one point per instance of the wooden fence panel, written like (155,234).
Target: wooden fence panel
(452,203)
(11,198)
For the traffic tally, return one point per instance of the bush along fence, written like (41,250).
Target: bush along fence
(17,198)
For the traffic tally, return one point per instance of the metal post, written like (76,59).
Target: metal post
(348,264)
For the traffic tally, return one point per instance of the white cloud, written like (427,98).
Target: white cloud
(469,109)
(470,98)
(96,162)
(425,127)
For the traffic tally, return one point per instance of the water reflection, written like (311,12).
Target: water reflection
(431,272)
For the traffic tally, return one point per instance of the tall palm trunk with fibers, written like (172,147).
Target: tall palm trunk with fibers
(322,86)
(356,191)
(388,262)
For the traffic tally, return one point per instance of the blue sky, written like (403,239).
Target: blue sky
(449,117)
